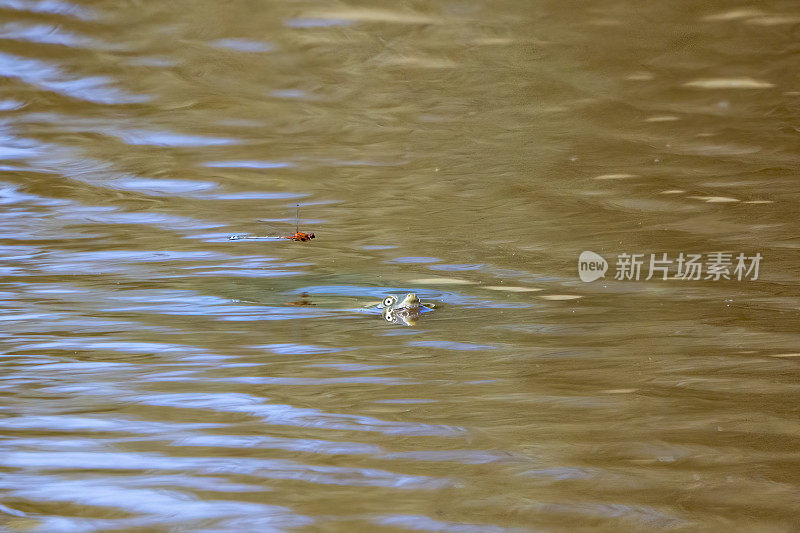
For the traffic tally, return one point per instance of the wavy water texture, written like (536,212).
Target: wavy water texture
(157,375)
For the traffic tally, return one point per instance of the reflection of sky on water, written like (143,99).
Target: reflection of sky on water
(243,45)
(47,76)
(44,34)
(308,22)
(248,164)
(52,7)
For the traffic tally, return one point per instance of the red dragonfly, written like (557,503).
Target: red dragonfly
(299,236)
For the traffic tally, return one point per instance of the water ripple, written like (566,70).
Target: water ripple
(168,138)
(154,504)
(53,7)
(45,34)
(281,414)
(95,89)
(243,45)
(157,376)
(268,469)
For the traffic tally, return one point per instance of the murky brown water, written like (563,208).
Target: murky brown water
(155,375)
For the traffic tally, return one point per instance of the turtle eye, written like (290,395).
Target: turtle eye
(389,300)
(389,315)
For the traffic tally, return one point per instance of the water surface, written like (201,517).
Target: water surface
(158,376)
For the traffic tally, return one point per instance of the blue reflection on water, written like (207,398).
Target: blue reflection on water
(289,93)
(171,186)
(415,260)
(290,348)
(45,34)
(154,497)
(425,294)
(95,89)
(426,523)
(288,415)
(248,164)
(243,45)
(168,138)
(310,22)
(53,7)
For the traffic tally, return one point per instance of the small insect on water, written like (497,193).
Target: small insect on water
(299,236)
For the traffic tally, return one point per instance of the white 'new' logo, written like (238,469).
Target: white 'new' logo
(591,266)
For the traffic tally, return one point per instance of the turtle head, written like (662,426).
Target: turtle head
(388,302)
(409,301)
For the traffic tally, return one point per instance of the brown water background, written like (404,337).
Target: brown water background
(154,376)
